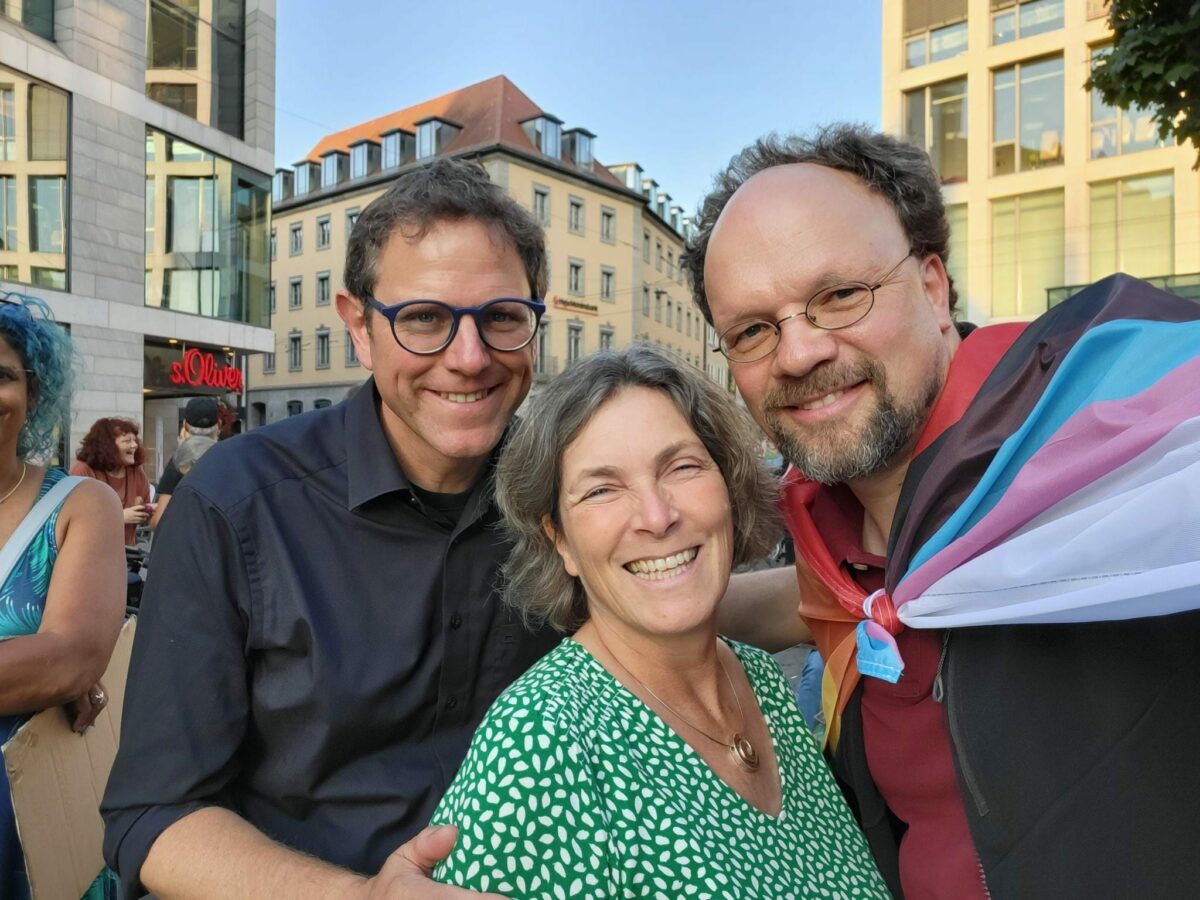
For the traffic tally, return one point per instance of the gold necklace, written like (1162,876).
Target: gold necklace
(739,745)
(21,481)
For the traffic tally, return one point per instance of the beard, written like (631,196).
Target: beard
(826,453)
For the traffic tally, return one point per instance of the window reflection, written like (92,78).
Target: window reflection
(34,237)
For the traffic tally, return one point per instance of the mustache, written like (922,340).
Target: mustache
(822,381)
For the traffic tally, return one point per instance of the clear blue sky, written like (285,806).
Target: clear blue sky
(677,86)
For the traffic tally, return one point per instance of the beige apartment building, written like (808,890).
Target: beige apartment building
(1046,187)
(614,241)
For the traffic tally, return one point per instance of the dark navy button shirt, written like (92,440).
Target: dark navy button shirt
(315,649)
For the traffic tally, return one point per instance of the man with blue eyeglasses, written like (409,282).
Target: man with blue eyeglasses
(305,684)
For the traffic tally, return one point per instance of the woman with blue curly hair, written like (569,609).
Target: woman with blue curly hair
(62,572)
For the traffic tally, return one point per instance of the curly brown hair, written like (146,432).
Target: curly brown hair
(99,446)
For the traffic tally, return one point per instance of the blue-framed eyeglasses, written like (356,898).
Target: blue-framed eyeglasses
(425,327)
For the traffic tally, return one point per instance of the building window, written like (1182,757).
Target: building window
(689,323)
(268,360)
(1027,116)
(935,44)
(322,403)
(391,150)
(546,135)
(185,52)
(1013,20)
(608,225)
(1115,130)
(295,407)
(670,312)
(351,221)
(956,265)
(670,264)
(574,342)
(274,240)
(575,277)
(433,136)
(645,246)
(935,118)
(304,179)
(324,233)
(645,301)
(1027,252)
(658,295)
(575,215)
(359,161)
(658,255)
(47,213)
(543,364)
(295,352)
(607,284)
(541,205)
(271,297)
(322,289)
(55,279)
(351,351)
(322,348)
(606,338)
(296,239)
(295,293)
(1133,226)
(330,170)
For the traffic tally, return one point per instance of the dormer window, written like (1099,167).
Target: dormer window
(433,135)
(579,146)
(281,185)
(333,168)
(306,178)
(649,189)
(546,133)
(364,158)
(399,147)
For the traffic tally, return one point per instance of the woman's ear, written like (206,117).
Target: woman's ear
(560,545)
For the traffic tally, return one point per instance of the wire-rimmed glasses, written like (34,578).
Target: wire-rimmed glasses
(830,309)
(425,327)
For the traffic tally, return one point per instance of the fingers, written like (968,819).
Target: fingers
(428,848)
(88,707)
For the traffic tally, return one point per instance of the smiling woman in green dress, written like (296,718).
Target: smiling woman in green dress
(644,756)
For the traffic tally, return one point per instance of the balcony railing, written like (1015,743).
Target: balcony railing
(1187,286)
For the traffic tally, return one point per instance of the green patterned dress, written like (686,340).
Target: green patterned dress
(22,601)
(573,787)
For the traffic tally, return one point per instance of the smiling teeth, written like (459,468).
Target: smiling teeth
(824,401)
(663,567)
(463,398)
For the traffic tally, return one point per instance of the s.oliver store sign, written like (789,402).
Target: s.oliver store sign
(191,370)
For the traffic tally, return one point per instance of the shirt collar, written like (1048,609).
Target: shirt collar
(839,518)
(372,469)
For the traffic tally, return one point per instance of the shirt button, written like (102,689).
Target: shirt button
(456,621)
(451,703)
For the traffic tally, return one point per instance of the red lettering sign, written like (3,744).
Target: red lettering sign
(198,369)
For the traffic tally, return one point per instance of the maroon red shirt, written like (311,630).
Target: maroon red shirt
(907,742)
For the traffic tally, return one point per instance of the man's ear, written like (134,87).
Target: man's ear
(353,313)
(560,546)
(937,289)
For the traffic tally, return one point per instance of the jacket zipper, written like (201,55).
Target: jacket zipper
(939,696)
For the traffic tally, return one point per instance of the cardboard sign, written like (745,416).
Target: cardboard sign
(57,779)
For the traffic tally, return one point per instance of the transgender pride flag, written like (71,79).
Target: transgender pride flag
(1069,488)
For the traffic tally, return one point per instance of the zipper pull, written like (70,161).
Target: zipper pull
(939,685)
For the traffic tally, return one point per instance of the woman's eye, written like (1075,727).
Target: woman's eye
(596,492)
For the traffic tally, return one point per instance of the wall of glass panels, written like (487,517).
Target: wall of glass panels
(207,233)
(34,202)
(1133,226)
(1028,246)
(196,59)
(36,15)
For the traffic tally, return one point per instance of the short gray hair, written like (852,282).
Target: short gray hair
(899,172)
(445,190)
(190,451)
(529,472)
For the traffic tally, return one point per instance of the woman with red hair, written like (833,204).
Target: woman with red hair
(112,452)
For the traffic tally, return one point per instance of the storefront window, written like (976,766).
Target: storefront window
(207,233)
(34,232)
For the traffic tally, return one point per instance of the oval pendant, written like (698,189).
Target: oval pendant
(743,753)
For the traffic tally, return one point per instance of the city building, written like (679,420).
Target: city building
(614,241)
(136,145)
(1047,188)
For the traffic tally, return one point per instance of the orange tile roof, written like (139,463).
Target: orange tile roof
(489,112)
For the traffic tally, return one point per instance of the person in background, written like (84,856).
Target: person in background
(189,453)
(201,418)
(62,570)
(112,452)
(644,756)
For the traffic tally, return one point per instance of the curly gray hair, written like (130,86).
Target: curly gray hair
(899,172)
(529,472)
